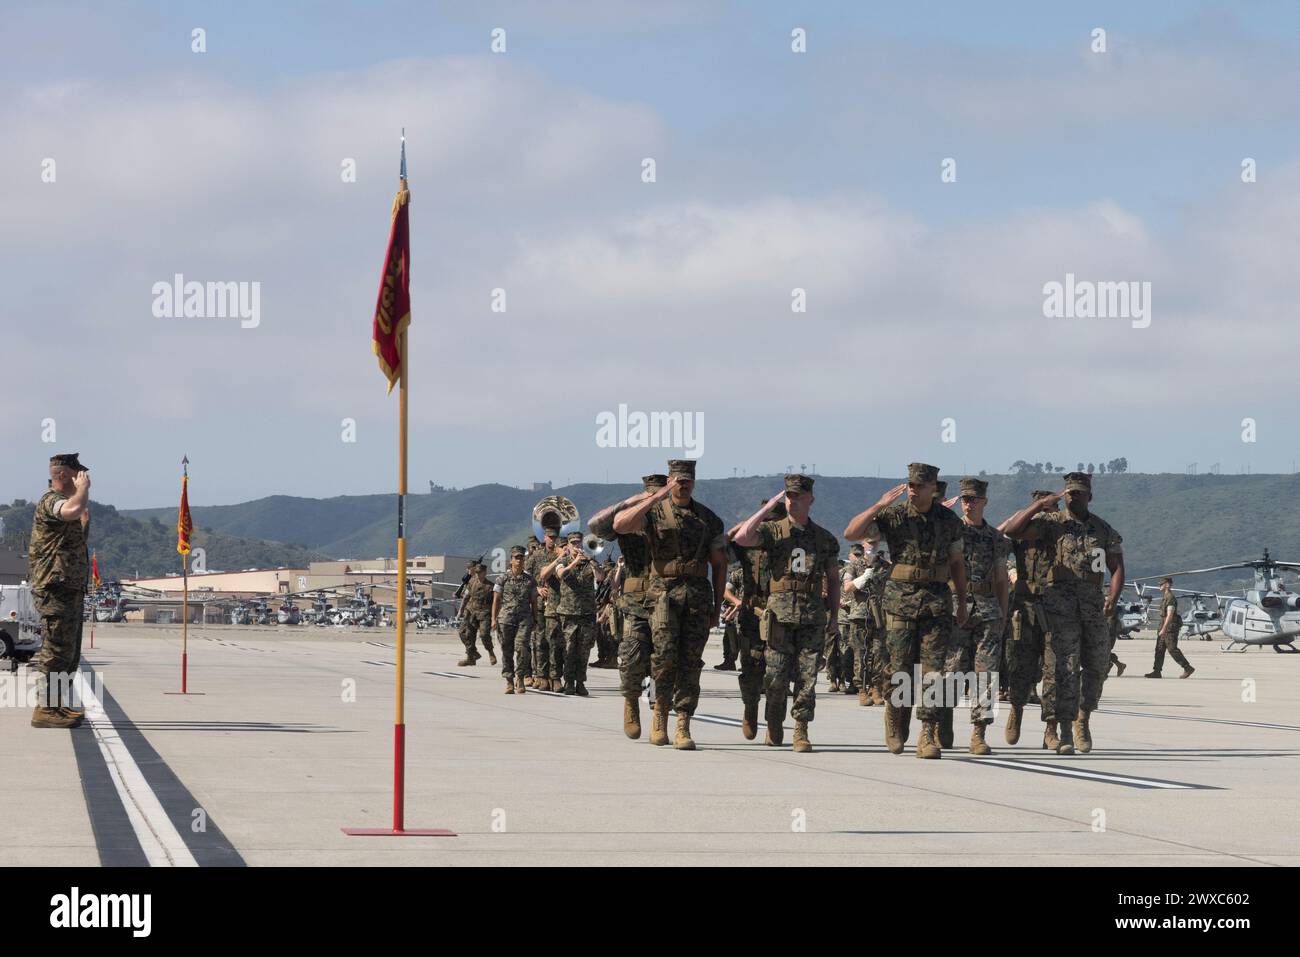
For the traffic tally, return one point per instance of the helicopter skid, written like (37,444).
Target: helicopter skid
(1285,648)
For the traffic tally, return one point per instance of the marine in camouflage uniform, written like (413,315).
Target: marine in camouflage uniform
(636,645)
(1077,648)
(977,645)
(855,606)
(926,546)
(1167,636)
(801,609)
(546,675)
(59,563)
(577,574)
(476,616)
(749,583)
(688,565)
(514,600)
(1027,634)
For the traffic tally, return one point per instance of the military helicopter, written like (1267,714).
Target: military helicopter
(1201,621)
(1267,615)
(288,613)
(108,604)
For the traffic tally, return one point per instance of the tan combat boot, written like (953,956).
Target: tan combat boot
(1050,741)
(1013,723)
(864,698)
(510,686)
(530,682)
(492,658)
(749,723)
(977,743)
(945,728)
(520,687)
(927,745)
(466,662)
(631,717)
(659,723)
(876,697)
(775,734)
(683,741)
(1067,739)
(52,718)
(893,734)
(1082,733)
(801,742)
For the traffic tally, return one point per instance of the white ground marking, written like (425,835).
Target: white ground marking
(159,839)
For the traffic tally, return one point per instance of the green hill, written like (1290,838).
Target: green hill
(1168,521)
(128,545)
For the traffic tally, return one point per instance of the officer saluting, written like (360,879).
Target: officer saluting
(59,565)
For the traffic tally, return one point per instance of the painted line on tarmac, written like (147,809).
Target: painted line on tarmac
(1102,777)
(446,674)
(158,807)
(379,664)
(716,719)
(1187,717)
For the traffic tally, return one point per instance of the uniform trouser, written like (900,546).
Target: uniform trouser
(1024,643)
(877,658)
(1076,651)
(634,653)
(516,646)
(476,626)
(830,655)
(792,651)
(61,611)
(753,655)
(541,660)
(858,641)
(1169,643)
(606,647)
(976,647)
(579,635)
(729,643)
(553,648)
(913,641)
(679,629)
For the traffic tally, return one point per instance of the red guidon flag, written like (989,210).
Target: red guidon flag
(94,569)
(184,525)
(393,310)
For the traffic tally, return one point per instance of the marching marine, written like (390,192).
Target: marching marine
(1077,649)
(687,551)
(925,540)
(636,644)
(803,562)
(476,615)
(514,604)
(977,645)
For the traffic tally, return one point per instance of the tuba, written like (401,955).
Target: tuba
(555,511)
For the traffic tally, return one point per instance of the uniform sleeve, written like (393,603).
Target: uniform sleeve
(50,507)
(497,587)
(957,529)
(604,529)
(1001,548)
(832,549)
(1114,543)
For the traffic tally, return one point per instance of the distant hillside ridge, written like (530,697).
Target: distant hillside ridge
(1168,521)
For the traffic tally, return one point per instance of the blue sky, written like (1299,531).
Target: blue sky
(775,170)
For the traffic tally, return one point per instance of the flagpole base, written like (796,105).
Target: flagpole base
(390,832)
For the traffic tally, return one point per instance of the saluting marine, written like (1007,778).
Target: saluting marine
(977,645)
(635,645)
(1028,629)
(802,559)
(925,540)
(1077,648)
(687,551)
(476,615)
(59,564)
(749,584)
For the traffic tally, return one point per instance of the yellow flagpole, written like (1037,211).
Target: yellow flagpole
(399,773)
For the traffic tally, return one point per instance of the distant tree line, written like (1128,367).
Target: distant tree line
(1114,466)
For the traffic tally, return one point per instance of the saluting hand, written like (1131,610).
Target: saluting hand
(949,503)
(1048,501)
(892,495)
(81,481)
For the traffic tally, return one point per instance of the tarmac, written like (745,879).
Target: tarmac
(288,739)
